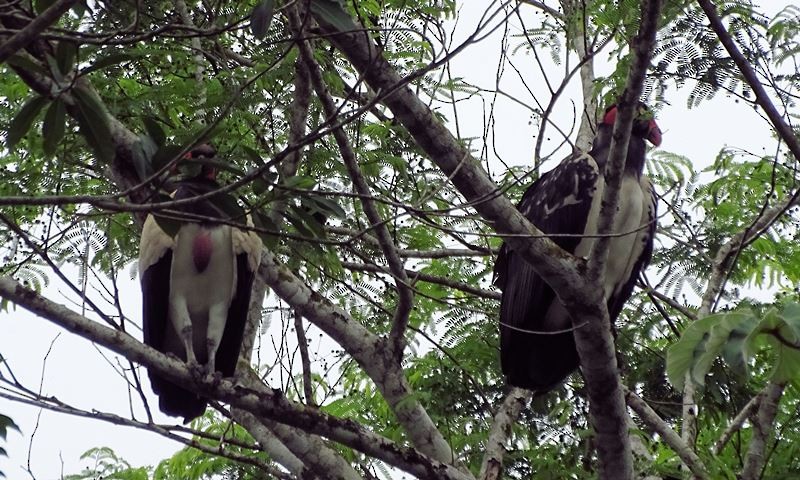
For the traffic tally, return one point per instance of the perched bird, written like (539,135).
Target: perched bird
(566,200)
(196,290)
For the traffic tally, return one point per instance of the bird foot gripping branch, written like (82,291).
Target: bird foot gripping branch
(196,290)
(536,342)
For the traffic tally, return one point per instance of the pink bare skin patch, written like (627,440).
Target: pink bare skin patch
(201,250)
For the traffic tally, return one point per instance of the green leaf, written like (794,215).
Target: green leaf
(25,63)
(42,5)
(253,155)
(334,13)
(110,60)
(24,119)
(778,330)
(329,206)
(260,186)
(168,224)
(229,206)
(217,163)
(791,316)
(164,154)
(300,182)
(141,152)
(264,222)
(308,219)
(154,130)
(729,330)
(7,423)
(683,354)
(54,126)
(261,18)
(80,8)
(93,120)
(66,51)
(298,223)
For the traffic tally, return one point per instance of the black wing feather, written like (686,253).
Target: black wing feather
(231,343)
(557,203)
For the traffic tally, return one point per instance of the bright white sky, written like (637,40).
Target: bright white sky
(77,373)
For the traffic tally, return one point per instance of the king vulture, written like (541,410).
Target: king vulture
(566,200)
(196,290)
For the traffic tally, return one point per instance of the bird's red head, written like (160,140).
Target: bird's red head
(644,122)
(201,151)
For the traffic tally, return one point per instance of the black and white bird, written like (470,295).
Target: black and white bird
(196,290)
(566,200)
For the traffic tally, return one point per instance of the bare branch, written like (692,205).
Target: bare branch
(425,277)
(405,294)
(670,437)
(737,422)
(24,37)
(506,416)
(762,430)
(302,345)
(256,398)
(783,129)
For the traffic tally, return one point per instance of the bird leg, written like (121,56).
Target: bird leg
(182,322)
(217,318)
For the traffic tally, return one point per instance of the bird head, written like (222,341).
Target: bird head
(644,125)
(204,151)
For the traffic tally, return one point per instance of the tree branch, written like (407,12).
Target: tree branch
(504,419)
(737,422)
(272,445)
(762,430)
(250,396)
(762,98)
(425,277)
(389,249)
(302,345)
(24,37)
(594,342)
(670,437)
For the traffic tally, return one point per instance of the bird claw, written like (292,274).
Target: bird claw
(197,371)
(216,378)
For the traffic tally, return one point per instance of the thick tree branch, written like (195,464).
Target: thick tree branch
(272,445)
(594,342)
(762,98)
(325,462)
(670,437)
(762,430)
(24,37)
(737,422)
(366,349)
(389,249)
(250,396)
(504,419)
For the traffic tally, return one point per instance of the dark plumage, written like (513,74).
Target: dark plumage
(566,200)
